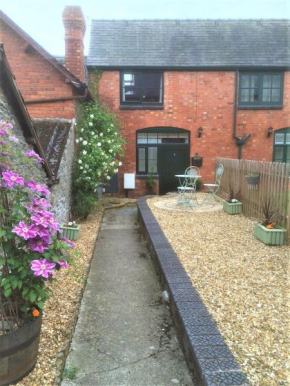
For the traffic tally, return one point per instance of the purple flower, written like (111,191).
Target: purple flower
(42,268)
(38,205)
(24,230)
(40,219)
(3,132)
(53,223)
(32,154)
(41,231)
(68,242)
(39,244)
(11,179)
(3,142)
(12,138)
(63,264)
(37,187)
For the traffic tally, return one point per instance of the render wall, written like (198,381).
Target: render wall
(36,78)
(193,99)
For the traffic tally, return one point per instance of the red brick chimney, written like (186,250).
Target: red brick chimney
(75,28)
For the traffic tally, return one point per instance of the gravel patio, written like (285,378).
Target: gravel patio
(243,283)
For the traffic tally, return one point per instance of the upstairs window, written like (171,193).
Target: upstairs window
(261,89)
(141,88)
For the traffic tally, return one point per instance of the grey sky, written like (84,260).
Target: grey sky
(42,19)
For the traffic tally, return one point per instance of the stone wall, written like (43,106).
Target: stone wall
(61,192)
(29,171)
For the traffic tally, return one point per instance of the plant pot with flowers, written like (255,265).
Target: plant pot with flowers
(232,205)
(70,230)
(30,252)
(269,231)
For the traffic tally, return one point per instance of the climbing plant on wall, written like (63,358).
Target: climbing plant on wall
(99,150)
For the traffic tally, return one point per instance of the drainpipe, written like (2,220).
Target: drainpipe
(240,141)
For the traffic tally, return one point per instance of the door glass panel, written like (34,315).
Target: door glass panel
(278,154)
(152,138)
(279,138)
(141,160)
(152,159)
(287,138)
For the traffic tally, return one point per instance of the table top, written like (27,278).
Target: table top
(187,175)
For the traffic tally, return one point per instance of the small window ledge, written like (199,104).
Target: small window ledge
(261,107)
(144,176)
(141,107)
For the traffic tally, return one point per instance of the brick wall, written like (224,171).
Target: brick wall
(36,77)
(193,99)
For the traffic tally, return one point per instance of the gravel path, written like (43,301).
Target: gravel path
(244,284)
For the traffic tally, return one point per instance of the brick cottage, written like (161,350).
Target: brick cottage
(178,87)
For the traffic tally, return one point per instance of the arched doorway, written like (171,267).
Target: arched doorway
(163,151)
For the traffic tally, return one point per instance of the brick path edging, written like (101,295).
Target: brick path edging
(206,352)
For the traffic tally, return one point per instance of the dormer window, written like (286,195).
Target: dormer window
(142,89)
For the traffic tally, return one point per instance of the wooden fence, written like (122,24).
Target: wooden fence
(273,185)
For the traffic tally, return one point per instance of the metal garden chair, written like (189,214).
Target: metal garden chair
(212,189)
(188,188)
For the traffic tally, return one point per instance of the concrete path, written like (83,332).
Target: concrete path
(124,335)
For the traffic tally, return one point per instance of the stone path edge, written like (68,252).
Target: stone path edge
(208,356)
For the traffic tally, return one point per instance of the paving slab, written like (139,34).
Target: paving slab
(124,335)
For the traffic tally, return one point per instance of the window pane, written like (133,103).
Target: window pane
(276,81)
(141,138)
(278,154)
(151,95)
(245,95)
(254,81)
(267,81)
(141,160)
(288,138)
(131,79)
(151,80)
(131,87)
(279,138)
(245,81)
(152,159)
(152,138)
(254,95)
(275,95)
(266,95)
(152,88)
(131,94)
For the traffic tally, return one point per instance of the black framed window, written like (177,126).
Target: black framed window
(261,89)
(281,151)
(141,88)
(147,159)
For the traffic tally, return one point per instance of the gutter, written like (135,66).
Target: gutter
(240,141)
(87,94)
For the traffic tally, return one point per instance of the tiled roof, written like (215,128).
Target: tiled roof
(53,134)
(189,43)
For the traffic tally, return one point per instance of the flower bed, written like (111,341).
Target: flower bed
(242,282)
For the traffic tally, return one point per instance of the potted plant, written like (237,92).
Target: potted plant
(269,231)
(30,252)
(253,178)
(232,204)
(70,230)
(150,182)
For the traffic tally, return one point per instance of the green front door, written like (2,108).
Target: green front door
(171,160)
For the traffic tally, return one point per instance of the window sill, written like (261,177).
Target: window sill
(261,107)
(141,107)
(144,176)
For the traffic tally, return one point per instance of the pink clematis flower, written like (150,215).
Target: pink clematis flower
(53,223)
(40,219)
(63,264)
(12,179)
(32,154)
(37,187)
(69,242)
(41,231)
(3,132)
(39,244)
(24,230)
(42,268)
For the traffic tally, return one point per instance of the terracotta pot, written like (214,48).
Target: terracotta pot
(18,352)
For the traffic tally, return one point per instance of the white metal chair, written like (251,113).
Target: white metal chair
(188,188)
(212,189)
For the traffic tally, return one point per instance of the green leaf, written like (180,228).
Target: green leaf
(40,304)
(2,261)
(32,296)
(19,284)
(2,233)
(7,292)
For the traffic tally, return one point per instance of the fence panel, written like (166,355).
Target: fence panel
(273,185)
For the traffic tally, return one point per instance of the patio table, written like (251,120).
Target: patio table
(186,194)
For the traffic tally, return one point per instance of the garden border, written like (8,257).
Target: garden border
(206,352)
